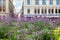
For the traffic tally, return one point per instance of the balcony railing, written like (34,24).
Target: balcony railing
(42,15)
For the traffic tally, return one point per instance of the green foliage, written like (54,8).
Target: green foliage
(3,30)
(43,25)
(44,28)
(58,24)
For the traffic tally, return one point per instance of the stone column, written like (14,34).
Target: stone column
(25,10)
(54,10)
(47,10)
(40,11)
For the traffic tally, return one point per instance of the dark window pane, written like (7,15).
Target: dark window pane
(28,10)
(45,11)
(44,2)
(55,10)
(38,11)
(59,10)
(51,2)
(49,10)
(58,2)
(28,2)
(37,2)
(35,11)
(52,11)
(42,11)
(0,8)
(4,8)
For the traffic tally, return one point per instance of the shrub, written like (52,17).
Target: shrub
(3,31)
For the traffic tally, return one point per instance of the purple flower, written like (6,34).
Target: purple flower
(30,28)
(25,39)
(55,26)
(23,32)
(18,37)
(9,32)
(37,28)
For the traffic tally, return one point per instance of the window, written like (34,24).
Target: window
(58,2)
(0,8)
(35,11)
(51,2)
(42,11)
(28,2)
(55,10)
(44,2)
(45,11)
(28,11)
(38,11)
(49,11)
(59,10)
(4,8)
(37,2)
(52,11)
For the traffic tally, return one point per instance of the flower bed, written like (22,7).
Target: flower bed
(32,30)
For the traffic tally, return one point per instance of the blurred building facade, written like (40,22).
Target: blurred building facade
(6,7)
(46,8)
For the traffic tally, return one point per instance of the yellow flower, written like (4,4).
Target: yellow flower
(58,38)
(57,30)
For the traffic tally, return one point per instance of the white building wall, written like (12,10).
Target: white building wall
(32,6)
(25,10)
(32,2)
(25,2)
(7,6)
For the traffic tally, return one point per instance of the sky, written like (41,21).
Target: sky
(18,5)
